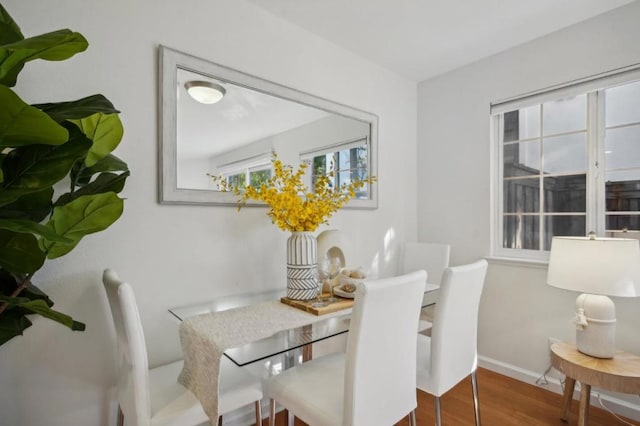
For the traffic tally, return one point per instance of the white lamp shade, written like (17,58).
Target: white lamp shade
(605,266)
(205,92)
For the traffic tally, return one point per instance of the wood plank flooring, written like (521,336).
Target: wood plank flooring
(503,402)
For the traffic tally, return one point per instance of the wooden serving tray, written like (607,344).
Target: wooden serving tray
(305,305)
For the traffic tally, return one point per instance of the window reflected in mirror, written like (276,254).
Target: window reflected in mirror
(343,164)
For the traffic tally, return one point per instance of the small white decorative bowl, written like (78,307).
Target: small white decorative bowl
(343,279)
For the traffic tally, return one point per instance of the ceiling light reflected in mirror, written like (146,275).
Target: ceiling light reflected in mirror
(205,92)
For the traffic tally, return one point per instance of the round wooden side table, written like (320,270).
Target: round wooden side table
(619,374)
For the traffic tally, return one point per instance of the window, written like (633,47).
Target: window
(568,162)
(348,162)
(252,171)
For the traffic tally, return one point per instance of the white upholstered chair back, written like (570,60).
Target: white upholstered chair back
(432,257)
(132,365)
(380,370)
(455,327)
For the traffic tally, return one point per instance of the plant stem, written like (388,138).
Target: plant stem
(24,284)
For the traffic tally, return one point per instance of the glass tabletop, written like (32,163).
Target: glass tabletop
(286,340)
(228,302)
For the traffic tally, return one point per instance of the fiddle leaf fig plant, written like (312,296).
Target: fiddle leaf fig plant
(59,180)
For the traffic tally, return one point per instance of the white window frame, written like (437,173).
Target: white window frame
(246,166)
(308,156)
(595,180)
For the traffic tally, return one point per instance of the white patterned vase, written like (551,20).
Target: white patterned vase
(302,266)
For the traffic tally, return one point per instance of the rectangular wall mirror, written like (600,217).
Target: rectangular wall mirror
(235,136)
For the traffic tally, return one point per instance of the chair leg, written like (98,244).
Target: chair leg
(258,413)
(120,416)
(476,404)
(272,412)
(438,413)
(219,420)
(412,418)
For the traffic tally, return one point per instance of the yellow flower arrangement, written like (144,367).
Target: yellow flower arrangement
(292,207)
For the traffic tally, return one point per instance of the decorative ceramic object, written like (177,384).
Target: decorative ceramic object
(333,246)
(302,266)
(333,243)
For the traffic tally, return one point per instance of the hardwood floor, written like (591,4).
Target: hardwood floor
(503,402)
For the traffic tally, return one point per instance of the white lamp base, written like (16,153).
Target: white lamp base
(596,325)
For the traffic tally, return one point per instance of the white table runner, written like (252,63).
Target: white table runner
(204,339)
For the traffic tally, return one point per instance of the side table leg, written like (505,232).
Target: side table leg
(569,386)
(583,415)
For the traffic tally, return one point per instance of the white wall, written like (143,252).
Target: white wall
(518,309)
(175,255)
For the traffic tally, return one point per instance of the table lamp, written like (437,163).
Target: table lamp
(596,267)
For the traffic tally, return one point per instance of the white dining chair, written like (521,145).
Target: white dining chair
(153,397)
(373,383)
(433,258)
(450,354)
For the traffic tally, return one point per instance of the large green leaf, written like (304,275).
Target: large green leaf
(20,253)
(22,124)
(40,307)
(54,46)
(81,108)
(24,226)
(8,284)
(36,167)
(81,175)
(105,130)
(105,182)
(12,324)
(82,216)
(34,293)
(9,30)
(33,206)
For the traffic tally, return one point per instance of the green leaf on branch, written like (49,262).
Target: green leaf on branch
(33,206)
(53,46)
(41,308)
(20,253)
(80,217)
(106,182)
(82,175)
(8,286)
(9,30)
(24,226)
(12,324)
(34,293)
(37,167)
(105,130)
(8,283)
(22,124)
(81,108)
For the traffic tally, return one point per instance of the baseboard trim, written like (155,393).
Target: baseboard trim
(617,405)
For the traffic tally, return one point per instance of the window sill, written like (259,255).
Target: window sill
(510,261)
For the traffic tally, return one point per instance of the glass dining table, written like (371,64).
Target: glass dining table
(289,341)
